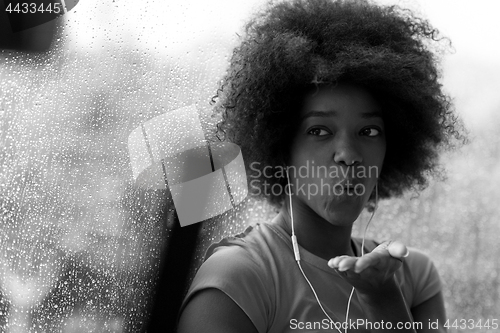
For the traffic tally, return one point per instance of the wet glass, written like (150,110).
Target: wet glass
(82,243)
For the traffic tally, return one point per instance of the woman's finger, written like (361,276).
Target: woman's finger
(397,250)
(334,262)
(370,259)
(341,261)
(347,263)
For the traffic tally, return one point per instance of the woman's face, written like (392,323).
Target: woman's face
(338,152)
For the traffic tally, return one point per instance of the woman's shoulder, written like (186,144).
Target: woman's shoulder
(256,254)
(245,267)
(418,256)
(258,241)
(421,277)
(421,265)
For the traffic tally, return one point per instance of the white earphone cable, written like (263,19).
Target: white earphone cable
(297,256)
(296,252)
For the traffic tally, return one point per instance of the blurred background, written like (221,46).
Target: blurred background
(80,244)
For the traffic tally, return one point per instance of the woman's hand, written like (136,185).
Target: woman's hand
(371,273)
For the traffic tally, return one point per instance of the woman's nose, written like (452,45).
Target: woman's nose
(346,151)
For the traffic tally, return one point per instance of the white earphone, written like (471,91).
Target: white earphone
(297,255)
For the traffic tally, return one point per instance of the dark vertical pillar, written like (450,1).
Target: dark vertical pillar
(174,274)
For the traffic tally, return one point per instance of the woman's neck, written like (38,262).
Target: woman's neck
(314,233)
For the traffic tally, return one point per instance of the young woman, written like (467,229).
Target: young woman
(335,105)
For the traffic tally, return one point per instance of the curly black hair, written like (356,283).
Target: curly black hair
(294,45)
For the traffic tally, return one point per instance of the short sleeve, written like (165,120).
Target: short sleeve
(425,277)
(232,270)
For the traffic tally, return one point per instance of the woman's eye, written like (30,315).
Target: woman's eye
(370,131)
(318,131)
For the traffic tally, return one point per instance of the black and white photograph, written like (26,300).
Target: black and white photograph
(259,166)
